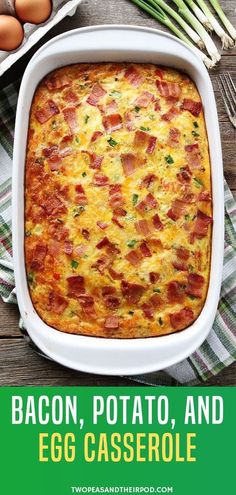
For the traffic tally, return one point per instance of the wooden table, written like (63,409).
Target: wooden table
(19,364)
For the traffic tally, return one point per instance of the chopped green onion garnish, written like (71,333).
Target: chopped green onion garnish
(30,277)
(131,312)
(137,109)
(115,93)
(86,118)
(156,290)
(198,182)
(112,142)
(169,159)
(135,199)
(77,211)
(160,321)
(28,233)
(195,124)
(40,160)
(74,264)
(84,174)
(77,139)
(132,243)
(187,217)
(195,134)
(192,297)
(145,128)
(54,124)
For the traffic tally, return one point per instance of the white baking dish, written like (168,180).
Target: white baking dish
(101,44)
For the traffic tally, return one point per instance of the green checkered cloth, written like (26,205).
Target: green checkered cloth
(216,353)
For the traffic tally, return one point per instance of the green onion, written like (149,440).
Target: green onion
(135,199)
(227,42)
(195,125)
(200,15)
(169,159)
(137,109)
(198,182)
(187,217)
(132,243)
(160,16)
(74,264)
(187,14)
(130,312)
(156,290)
(145,128)
(230,28)
(77,140)
(191,33)
(86,118)
(195,134)
(54,124)
(78,210)
(160,321)
(112,142)
(84,174)
(115,93)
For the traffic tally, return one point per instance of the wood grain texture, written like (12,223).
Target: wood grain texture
(19,364)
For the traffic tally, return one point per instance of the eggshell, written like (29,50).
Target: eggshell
(11,33)
(33,11)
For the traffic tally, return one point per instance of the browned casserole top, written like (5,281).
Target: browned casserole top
(118,206)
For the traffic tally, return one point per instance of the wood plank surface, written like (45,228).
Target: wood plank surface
(19,364)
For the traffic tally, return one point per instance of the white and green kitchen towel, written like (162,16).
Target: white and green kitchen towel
(216,353)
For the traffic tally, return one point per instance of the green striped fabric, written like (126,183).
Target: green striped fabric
(217,352)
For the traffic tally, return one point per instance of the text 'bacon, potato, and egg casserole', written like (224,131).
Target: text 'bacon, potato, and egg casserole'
(118,207)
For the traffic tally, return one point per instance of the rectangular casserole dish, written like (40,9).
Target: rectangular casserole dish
(101,44)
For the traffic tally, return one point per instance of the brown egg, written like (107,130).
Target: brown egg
(11,33)
(33,11)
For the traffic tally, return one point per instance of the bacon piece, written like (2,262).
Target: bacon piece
(159,73)
(103,243)
(95,160)
(80,196)
(193,155)
(180,266)
(120,212)
(144,140)
(110,298)
(148,203)
(54,247)
(102,225)
(112,106)
(195,285)
(75,285)
(70,117)
(54,206)
(132,292)
(81,249)
(154,277)
(112,122)
(143,227)
(177,209)
(102,263)
(129,163)
(170,115)
(56,303)
(85,234)
(156,301)
(134,257)
(201,224)
(117,222)
(204,196)
(182,318)
(87,304)
(96,94)
(145,250)
(111,322)
(147,311)
(169,90)
(185,175)
(68,247)
(39,255)
(194,107)
(96,135)
(54,155)
(175,292)
(158,225)
(115,275)
(157,106)
(58,231)
(128,117)
(57,81)
(174,136)
(133,76)
(51,150)
(115,196)
(148,180)
(182,253)
(144,99)
(67,139)
(70,97)
(47,112)
(100,180)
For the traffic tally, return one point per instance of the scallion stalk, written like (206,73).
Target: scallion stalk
(190,32)
(227,42)
(230,28)
(200,15)
(160,16)
(209,44)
